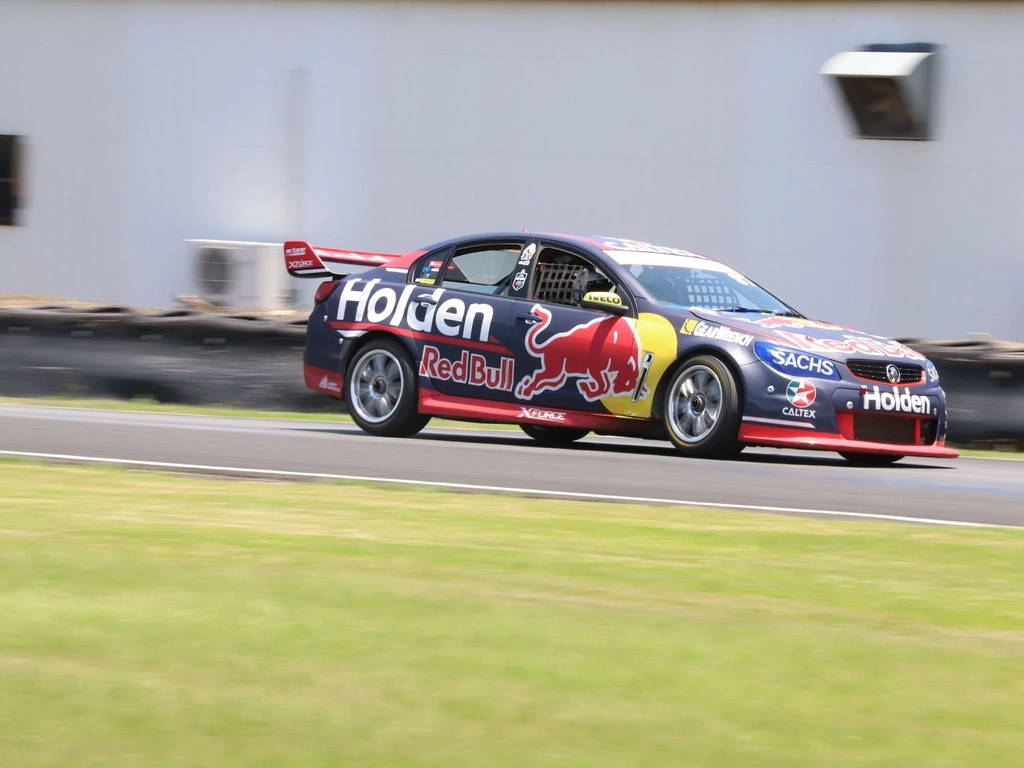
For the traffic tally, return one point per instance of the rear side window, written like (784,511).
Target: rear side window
(483,270)
(428,269)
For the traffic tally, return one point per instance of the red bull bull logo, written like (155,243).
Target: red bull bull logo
(600,354)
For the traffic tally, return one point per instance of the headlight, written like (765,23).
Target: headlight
(794,363)
(932,371)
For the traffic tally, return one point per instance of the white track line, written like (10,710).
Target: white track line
(494,489)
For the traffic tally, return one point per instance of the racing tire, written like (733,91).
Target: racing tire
(381,390)
(870,459)
(702,409)
(555,437)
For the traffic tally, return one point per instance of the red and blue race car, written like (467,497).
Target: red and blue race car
(568,335)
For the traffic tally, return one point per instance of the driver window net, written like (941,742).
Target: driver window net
(561,283)
(710,292)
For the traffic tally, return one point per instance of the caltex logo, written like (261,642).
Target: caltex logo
(801,393)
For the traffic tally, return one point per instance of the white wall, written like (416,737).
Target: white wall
(704,126)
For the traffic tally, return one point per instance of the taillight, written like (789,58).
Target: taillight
(324,291)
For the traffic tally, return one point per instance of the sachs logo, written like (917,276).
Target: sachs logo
(795,363)
(801,393)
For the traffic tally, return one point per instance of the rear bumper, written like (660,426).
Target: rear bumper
(780,437)
(322,380)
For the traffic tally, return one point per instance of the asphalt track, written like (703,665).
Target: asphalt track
(968,490)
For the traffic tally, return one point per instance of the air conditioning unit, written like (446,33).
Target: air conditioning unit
(889,88)
(240,275)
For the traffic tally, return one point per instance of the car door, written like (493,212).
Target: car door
(569,357)
(465,311)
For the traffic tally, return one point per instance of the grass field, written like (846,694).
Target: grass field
(157,620)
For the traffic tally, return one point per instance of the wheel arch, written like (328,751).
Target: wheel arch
(658,407)
(351,350)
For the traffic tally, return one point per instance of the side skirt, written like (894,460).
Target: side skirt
(473,409)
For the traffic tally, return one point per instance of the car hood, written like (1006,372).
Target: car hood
(827,339)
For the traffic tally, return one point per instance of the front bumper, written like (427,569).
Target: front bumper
(782,437)
(844,415)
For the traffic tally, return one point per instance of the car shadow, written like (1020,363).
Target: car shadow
(757,456)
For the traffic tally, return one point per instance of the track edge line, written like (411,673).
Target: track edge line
(538,492)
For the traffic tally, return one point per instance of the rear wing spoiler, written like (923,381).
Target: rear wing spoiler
(303,260)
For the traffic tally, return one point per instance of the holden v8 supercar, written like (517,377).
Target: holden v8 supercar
(567,335)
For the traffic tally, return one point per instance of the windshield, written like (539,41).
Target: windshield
(693,281)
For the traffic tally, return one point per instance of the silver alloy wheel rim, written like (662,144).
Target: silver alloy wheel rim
(377,386)
(695,403)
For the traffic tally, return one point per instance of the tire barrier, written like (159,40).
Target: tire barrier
(180,356)
(984,384)
(248,361)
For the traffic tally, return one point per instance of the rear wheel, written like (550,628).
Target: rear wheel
(554,436)
(702,409)
(870,459)
(381,392)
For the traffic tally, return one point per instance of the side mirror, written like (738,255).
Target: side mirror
(605,301)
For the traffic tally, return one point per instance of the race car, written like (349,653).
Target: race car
(567,335)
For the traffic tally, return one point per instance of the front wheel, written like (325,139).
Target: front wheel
(556,437)
(702,409)
(870,459)
(381,392)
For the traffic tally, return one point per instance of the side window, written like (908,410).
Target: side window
(564,278)
(482,270)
